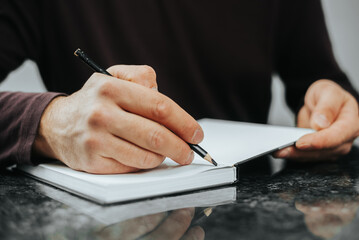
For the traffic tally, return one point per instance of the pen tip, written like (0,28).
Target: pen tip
(214,162)
(210,159)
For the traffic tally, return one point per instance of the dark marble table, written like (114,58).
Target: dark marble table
(274,200)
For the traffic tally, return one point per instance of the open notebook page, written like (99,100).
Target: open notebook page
(231,142)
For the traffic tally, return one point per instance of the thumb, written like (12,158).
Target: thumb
(320,120)
(324,100)
(140,74)
(326,109)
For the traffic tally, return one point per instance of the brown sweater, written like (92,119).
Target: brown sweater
(214,58)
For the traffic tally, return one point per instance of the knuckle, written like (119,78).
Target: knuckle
(161,109)
(106,88)
(156,139)
(90,144)
(97,117)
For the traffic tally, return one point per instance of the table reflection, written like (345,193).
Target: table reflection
(326,218)
(329,206)
(170,217)
(166,225)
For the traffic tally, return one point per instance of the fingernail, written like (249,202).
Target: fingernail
(303,146)
(190,158)
(197,136)
(155,88)
(321,120)
(283,154)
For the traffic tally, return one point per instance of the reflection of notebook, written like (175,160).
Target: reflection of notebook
(122,212)
(229,143)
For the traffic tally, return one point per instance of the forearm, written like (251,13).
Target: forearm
(19,121)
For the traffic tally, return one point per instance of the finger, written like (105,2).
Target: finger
(344,129)
(325,106)
(130,154)
(153,105)
(175,226)
(303,119)
(148,135)
(103,165)
(295,154)
(194,233)
(144,75)
(329,154)
(105,141)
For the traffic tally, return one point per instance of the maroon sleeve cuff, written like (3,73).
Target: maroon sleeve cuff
(20,118)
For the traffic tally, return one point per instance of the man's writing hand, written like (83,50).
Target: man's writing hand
(117,126)
(333,112)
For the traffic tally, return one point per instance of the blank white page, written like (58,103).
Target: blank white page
(230,142)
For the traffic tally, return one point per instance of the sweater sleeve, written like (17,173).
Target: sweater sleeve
(304,51)
(20,113)
(20,25)
(19,121)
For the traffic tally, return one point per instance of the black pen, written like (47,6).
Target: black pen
(196,148)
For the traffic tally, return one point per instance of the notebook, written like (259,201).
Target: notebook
(229,143)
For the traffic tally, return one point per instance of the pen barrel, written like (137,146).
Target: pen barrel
(89,62)
(198,149)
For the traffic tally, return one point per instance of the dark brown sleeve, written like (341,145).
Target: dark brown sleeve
(21,36)
(304,50)
(20,113)
(19,121)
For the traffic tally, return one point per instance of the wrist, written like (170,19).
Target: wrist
(43,144)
